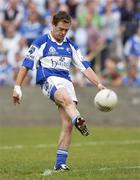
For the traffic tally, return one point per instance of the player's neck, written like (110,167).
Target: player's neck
(53,35)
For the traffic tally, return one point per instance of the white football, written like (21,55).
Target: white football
(105,100)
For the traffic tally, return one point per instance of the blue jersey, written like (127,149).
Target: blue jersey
(54,59)
(132,47)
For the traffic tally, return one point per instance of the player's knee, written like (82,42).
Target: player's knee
(64,100)
(67,101)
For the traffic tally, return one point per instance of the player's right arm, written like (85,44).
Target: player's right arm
(17,93)
(28,63)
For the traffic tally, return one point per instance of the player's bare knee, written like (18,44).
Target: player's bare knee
(66,101)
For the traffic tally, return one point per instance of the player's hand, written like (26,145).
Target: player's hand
(100,86)
(17,95)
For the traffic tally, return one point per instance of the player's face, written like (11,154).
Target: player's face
(60,30)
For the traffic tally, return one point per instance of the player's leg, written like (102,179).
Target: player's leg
(62,98)
(62,92)
(64,140)
(65,135)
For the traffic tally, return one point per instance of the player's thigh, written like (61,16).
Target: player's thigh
(58,89)
(61,96)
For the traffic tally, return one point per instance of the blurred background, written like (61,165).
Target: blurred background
(108,34)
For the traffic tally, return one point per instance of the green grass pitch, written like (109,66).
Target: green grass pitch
(107,154)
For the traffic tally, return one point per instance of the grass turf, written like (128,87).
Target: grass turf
(107,154)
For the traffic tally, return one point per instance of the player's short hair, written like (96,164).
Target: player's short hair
(61,16)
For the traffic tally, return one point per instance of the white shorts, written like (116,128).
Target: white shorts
(53,83)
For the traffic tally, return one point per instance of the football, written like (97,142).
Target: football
(105,100)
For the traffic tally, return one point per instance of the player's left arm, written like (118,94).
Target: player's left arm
(92,77)
(84,66)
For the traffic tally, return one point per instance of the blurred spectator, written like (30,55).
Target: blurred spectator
(2,4)
(80,37)
(121,67)
(119,5)
(11,14)
(73,4)
(32,28)
(30,8)
(11,38)
(137,15)
(95,43)
(91,20)
(128,19)
(105,3)
(91,11)
(111,28)
(40,4)
(10,42)
(6,71)
(111,75)
(101,28)
(50,9)
(132,78)
(22,46)
(111,32)
(132,50)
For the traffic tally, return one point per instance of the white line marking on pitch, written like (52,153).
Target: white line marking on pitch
(125,167)
(49,172)
(92,143)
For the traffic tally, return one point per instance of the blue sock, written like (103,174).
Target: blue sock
(74,120)
(61,157)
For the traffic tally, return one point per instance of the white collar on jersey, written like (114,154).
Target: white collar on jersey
(52,39)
